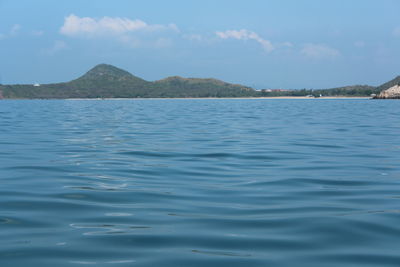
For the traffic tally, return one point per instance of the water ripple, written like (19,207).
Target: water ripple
(199,182)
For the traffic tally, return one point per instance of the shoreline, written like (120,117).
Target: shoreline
(200,98)
(216,98)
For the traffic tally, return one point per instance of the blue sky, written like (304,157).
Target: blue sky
(260,43)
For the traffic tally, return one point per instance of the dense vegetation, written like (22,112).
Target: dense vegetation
(106,81)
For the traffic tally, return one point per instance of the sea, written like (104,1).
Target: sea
(200,182)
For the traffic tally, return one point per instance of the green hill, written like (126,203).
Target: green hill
(106,81)
(193,87)
(352,90)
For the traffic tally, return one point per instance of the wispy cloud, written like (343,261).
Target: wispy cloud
(163,42)
(75,26)
(12,32)
(319,51)
(359,44)
(246,35)
(15,29)
(286,44)
(193,37)
(57,46)
(37,33)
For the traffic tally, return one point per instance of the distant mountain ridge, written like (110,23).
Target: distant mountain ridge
(107,81)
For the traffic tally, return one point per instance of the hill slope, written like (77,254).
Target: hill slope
(352,90)
(193,87)
(389,84)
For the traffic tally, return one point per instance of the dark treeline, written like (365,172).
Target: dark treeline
(356,90)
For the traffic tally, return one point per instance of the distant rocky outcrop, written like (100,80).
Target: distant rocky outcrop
(387,85)
(391,93)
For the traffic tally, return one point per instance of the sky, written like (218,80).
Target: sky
(276,44)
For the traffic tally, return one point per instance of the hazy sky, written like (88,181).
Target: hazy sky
(260,43)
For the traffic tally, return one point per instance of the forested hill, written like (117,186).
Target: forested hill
(106,81)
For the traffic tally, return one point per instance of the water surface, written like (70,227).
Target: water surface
(200,183)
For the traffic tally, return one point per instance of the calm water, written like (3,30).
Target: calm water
(200,183)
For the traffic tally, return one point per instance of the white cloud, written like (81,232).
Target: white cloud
(246,35)
(92,27)
(319,51)
(396,32)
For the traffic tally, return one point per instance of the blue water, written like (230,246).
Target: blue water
(200,183)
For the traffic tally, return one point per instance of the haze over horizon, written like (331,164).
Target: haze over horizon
(265,44)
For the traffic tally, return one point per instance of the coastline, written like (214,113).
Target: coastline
(216,98)
(200,98)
